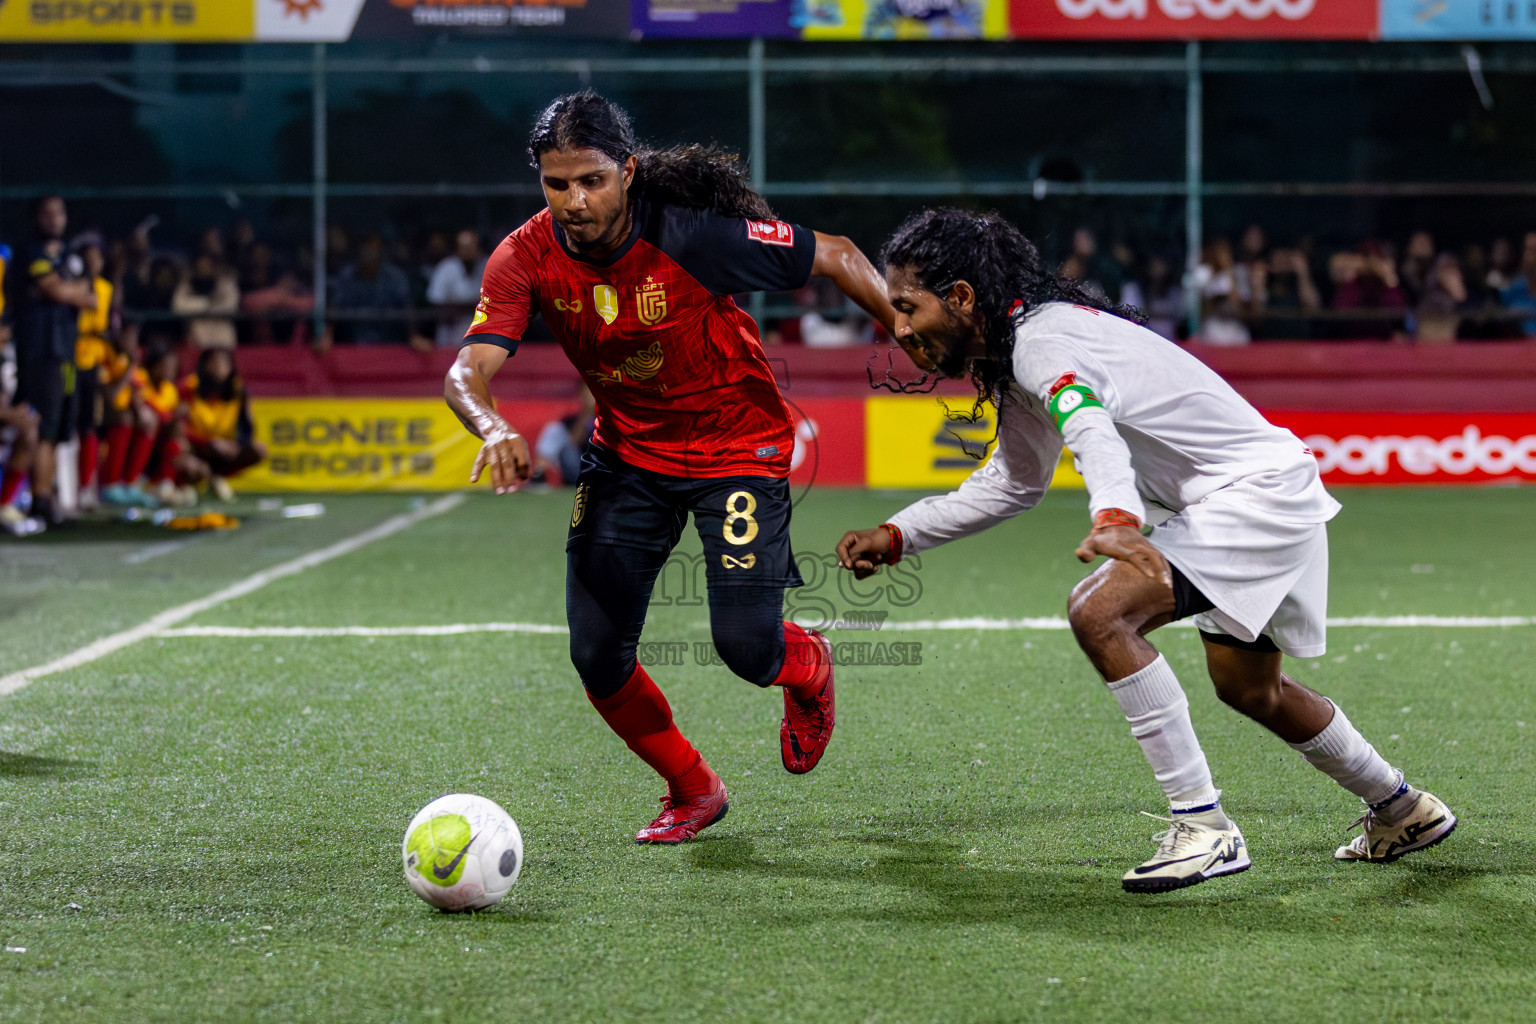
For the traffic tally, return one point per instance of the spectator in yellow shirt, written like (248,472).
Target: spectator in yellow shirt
(93,351)
(219,426)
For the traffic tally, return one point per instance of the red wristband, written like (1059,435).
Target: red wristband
(892,556)
(1114,517)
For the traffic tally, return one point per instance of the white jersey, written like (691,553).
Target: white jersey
(1147,422)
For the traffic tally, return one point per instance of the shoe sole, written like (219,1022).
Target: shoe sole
(1400,854)
(674,842)
(1157,885)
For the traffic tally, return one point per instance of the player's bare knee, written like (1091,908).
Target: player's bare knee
(1097,617)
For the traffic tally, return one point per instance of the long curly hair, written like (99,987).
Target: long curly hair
(696,176)
(944,245)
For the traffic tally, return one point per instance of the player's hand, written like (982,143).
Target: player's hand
(505,454)
(863,551)
(1128,545)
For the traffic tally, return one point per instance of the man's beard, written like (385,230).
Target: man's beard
(953,363)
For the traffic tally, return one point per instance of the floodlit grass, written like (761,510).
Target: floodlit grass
(209,828)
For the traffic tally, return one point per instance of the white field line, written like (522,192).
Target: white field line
(171,616)
(151,551)
(456,629)
(919,625)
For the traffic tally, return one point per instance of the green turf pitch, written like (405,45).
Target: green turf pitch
(208,829)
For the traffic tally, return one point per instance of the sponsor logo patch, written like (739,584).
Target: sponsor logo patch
(767,452)
(771,232)
(482,311)
(574,306)
(732,562)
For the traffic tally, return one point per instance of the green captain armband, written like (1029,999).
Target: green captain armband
(1069,400)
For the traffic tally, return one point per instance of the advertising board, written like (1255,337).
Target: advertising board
(1458,19)
(1193,19)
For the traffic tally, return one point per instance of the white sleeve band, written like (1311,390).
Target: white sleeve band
(1104,461)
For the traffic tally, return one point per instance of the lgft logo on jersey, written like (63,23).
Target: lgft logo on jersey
(1216,10)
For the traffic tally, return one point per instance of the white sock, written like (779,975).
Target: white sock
(1341,753)
(1155,705)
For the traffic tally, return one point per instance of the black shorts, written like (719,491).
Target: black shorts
(47,386)
(1189,600)
(743,521)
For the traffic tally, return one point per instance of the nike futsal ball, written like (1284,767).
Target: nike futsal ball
(462,852)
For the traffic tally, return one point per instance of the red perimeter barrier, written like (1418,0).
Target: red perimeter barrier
(1489,377)
(1373,412)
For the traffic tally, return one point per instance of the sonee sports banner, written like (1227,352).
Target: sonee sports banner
(179,21)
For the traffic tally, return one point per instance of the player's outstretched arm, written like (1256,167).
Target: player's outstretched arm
(467,389)
(842,262)
(862,552)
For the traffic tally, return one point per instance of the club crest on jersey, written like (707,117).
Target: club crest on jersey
(605,299)
(643,365)
(771,232)
(482,311)
(579,510)
(651,302)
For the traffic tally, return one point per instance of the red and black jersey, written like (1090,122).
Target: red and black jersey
(677,368)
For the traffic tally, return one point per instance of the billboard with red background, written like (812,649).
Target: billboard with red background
(1193,19)
(1417,448)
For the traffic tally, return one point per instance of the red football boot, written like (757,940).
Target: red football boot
(680,822)
(807,725)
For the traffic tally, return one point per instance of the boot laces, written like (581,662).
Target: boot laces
(1177,837)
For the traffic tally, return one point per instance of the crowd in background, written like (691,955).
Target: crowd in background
(1253,290)
(157,406)
(146,431)
(229,287)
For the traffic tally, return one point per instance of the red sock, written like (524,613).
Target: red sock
(119,440)
(90,451)
(641,716)
(139,451)
(10,486)
(806,665)
(170,449)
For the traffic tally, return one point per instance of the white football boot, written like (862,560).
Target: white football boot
(1423,822)
(1189,853)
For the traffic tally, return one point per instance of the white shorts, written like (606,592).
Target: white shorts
(1262,575)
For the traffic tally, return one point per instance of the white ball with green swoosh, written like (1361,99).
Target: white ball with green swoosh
(462,852)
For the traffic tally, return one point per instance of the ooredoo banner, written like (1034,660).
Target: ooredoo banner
(1194,19)
(1425,448)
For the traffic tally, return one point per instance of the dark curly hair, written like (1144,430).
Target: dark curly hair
(944,245)
(695,176)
